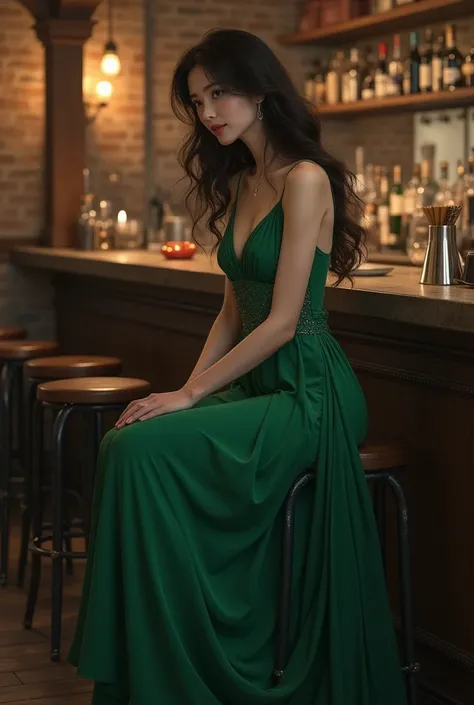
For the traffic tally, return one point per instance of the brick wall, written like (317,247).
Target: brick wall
(21,124)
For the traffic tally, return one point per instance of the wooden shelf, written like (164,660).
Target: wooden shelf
(461,97)
(402,18)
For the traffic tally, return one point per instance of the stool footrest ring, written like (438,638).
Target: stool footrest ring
(36,547)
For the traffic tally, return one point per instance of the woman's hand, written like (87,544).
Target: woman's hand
(155,405)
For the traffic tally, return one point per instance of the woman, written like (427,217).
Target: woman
(181,588)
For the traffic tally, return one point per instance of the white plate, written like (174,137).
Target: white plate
(371,270)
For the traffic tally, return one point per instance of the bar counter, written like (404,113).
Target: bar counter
(412,348)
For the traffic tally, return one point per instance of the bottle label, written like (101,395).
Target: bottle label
(367,93)
(436,73)
(396,204)
(426,77)
(451,75)
(406,85)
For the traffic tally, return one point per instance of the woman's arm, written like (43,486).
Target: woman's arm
(308,210)
(223,335)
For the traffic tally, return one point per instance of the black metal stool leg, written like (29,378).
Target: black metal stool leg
(58,531)
(36,459)
(29,396)
(379,488)
(6,431)
(284,609)
(412,667)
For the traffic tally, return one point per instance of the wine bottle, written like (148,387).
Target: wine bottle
(381,75)
(452,61)
(320,84)
(368,82)
(395,69)
(413,64)
(437,65)
(396,209)
(333,79)
(383,211)
(468,68)
(426,58)
(351,79)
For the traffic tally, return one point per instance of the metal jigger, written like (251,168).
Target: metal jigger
(443,263)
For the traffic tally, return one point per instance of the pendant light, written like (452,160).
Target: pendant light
(110,64)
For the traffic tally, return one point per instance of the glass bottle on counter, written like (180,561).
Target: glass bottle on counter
(437,65)
(369,219)
(428,187)
(86,223)
(426,58)
(444,197)
(452,61)
(468,68)
(410,198)
(104,230)
(383,211)
(395,69)
(396,209)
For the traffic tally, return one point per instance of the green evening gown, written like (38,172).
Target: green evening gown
(181,586)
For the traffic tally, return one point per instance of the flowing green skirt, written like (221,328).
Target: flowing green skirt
(181,588)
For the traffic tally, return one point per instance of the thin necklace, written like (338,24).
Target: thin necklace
(255,191)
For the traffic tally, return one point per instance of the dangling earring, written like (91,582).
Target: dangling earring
(259,111)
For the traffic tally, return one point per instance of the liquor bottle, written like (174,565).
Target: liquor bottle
(359,172)
(369,221)
(452,61)
(410,196)
(395,69)
(412,67)
(428,187)
(381,75)
(383,211)
(426,58)
(468,68)
(320,84)
(309,86)
(437,64)
(353,83)
(381,6)
(368,82)
(396,209)
(444,197)
(333,79)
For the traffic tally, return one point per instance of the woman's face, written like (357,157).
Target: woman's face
(226,115)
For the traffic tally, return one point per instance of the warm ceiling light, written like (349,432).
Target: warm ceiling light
(104,90)
(110,64)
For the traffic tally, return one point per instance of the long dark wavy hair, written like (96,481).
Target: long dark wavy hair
(243,64)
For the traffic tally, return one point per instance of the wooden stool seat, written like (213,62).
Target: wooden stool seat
(381,456)
(17,350)
(93,390)
(11,333)
(69,366)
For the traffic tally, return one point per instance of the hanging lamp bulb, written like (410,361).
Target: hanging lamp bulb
(110,64)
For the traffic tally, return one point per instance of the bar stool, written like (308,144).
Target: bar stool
(92,395)
(381,463)
(12,333)
(13,354)
(45,369)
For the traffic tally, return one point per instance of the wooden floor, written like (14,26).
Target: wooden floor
(27,675)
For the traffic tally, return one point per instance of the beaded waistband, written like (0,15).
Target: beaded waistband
(254,300)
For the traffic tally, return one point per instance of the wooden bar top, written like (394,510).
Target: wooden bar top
(397,297)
